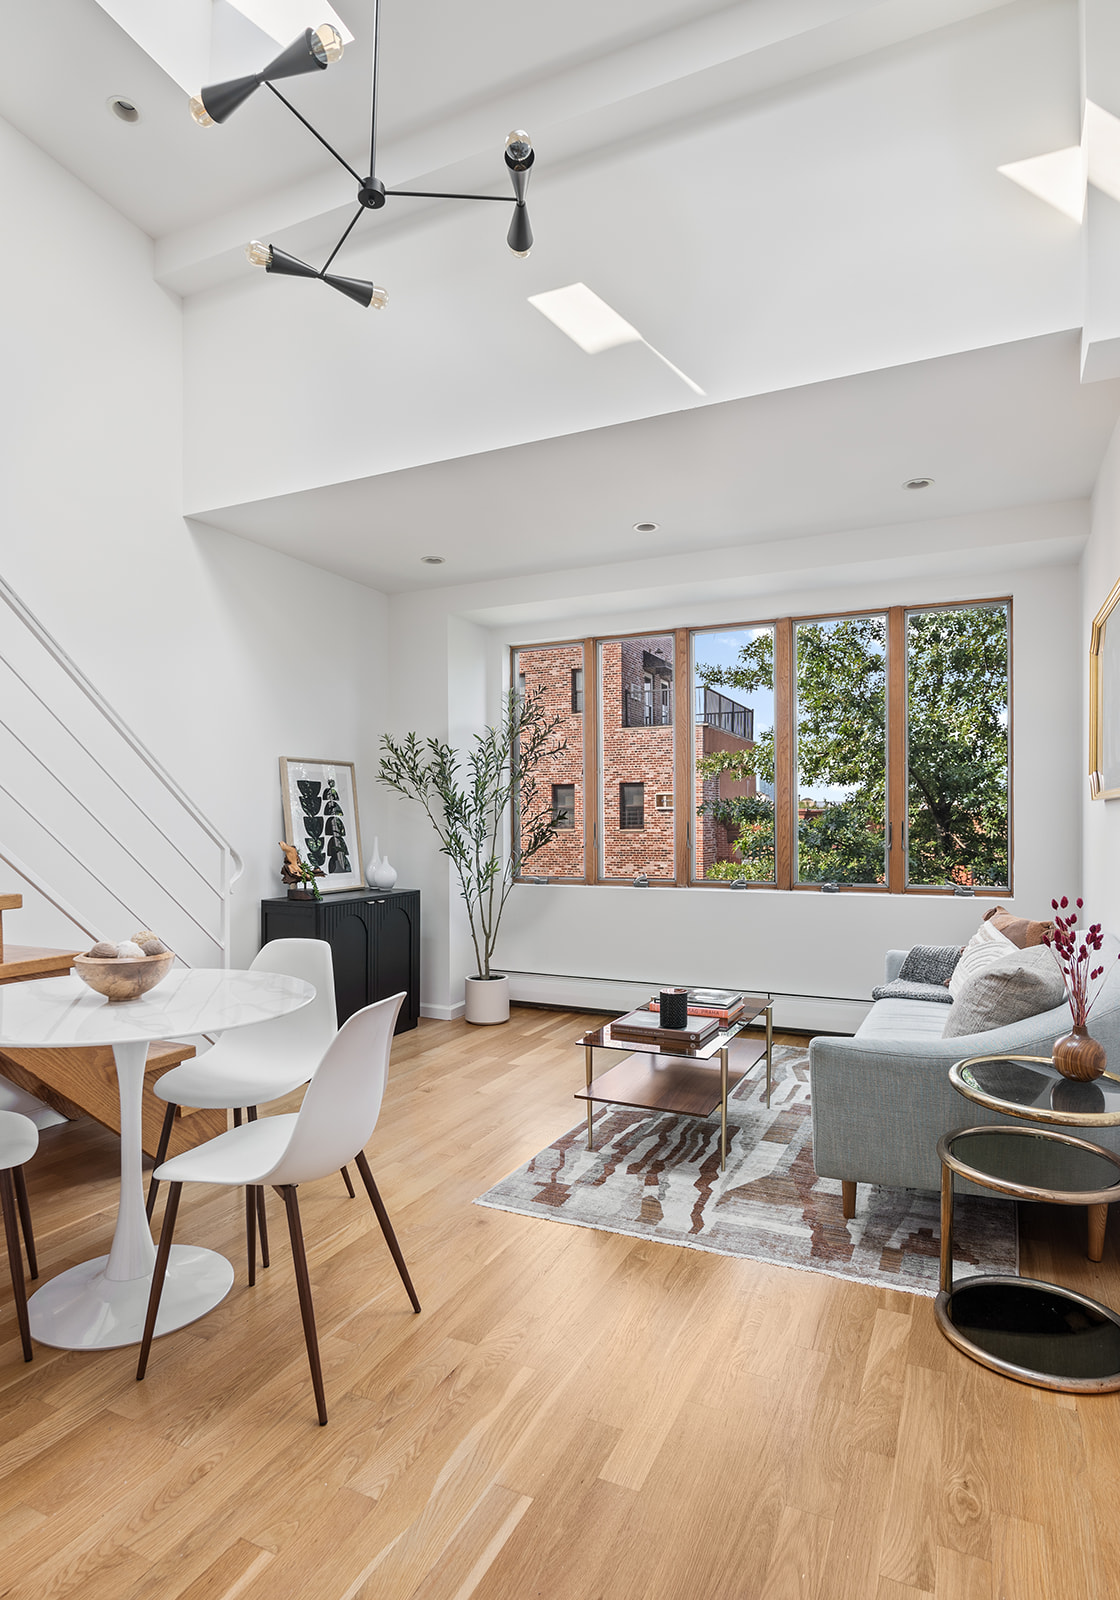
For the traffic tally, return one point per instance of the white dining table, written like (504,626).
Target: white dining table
(101,1304)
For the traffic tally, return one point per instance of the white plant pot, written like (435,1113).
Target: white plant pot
(487,1000)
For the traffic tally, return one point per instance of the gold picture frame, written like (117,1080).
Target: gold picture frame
(321,819)
(1104,702)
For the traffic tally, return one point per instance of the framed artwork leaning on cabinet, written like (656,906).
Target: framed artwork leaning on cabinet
(321,819)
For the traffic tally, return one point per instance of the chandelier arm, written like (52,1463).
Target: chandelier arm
(341,159)
(373,94)
(438,194)
(342,241)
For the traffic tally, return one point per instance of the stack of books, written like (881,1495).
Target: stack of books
(725,1005)
(644,1027)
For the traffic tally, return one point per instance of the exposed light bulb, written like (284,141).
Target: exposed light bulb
(200,113)
(326,44)
(259,254)
(521,254)
(519,146)
(379,299)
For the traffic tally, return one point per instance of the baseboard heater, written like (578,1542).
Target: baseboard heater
(809,1013)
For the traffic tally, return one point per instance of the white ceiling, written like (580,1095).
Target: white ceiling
(1004,426)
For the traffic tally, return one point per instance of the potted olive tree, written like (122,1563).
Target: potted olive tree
(467,806)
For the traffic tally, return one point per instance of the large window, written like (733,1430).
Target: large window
(550,673)
(637,753)
(866,751)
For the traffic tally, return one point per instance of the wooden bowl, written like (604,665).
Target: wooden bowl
(125,977)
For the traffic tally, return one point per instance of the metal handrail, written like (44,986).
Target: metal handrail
(29,875)
(73,671)
(231,864)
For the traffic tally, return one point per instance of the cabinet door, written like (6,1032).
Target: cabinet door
(349,935)
(395,961)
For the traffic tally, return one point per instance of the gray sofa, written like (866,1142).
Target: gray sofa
(882,1099)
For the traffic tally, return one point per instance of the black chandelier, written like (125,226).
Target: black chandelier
(314,51)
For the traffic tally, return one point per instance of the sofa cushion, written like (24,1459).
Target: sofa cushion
(1022,933)
(903,1020)
(1025,984)
(986,947)
(900,989)
(930,963)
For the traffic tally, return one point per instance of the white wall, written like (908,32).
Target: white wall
(807,944)
(1100,569)
(221,655)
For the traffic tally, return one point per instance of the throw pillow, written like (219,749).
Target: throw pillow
(987,946)
(930,963)
(901,989)
(1025,935)
(1023,985)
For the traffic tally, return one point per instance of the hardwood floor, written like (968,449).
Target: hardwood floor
(573,1416)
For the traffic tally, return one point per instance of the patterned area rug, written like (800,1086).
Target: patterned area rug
(657,1177)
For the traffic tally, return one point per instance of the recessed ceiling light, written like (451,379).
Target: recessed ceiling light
(917,483)
(122,108)
(646,527)
(433,561)
(594,325)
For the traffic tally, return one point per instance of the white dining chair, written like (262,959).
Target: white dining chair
(333,1125)
(262,1062)
(19,1140)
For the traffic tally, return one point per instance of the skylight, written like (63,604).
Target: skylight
(594,325)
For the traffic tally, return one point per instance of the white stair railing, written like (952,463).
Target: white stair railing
(89,818)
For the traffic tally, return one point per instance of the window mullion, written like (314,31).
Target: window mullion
(684,783)
(897,783)
(591,797)
(785,778)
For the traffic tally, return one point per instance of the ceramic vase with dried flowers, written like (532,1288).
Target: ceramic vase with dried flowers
(1077,1055)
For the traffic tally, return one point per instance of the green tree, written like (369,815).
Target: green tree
(957,750)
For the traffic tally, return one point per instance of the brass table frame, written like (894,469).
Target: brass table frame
(718,1044)
(953,1165)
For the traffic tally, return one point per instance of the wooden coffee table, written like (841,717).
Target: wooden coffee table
(685,1083)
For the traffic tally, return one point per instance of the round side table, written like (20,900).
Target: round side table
(1035,1332)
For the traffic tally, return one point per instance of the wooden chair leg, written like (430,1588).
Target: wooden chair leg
(20,1183)
(15,1258)
(251,1231)
(1098,1221)
(262,1220)
(161,1155)
(163,1253)
(307,1310)
(386,1226)
(347,1181)
(849,1198)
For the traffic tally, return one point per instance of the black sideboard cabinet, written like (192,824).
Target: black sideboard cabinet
(374,935)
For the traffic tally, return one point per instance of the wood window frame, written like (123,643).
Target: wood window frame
(785,798)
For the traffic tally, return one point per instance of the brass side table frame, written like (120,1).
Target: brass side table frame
(1009,1315)
(684,1083)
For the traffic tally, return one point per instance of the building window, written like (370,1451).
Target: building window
(868,751)
(548,672)
(564,805)
(577,688)
(631,805)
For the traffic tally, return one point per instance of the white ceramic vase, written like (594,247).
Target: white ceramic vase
(487,1000)
(373,864)
(384,874)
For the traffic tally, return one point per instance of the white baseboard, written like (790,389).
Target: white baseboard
(808,1013)
(443,1013)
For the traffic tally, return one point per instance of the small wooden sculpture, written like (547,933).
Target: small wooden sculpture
(296,871)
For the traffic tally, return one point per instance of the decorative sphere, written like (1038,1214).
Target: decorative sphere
(152,946)
(103,951)
(127,948)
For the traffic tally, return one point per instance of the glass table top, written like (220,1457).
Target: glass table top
(1030,1087)
(604,1039)
(1037,1329)
(1042,1162)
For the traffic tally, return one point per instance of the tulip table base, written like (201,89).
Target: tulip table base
(84,1310)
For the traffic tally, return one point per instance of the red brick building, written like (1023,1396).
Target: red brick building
(636,758)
